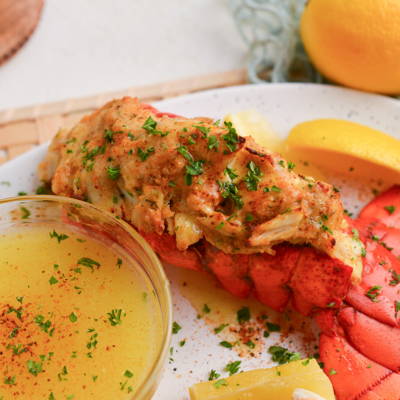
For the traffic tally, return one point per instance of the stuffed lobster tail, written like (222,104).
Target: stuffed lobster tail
(207,199)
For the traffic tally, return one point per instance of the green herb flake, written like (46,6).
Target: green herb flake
(373,293)
(145,155)
(273,327)
(219,226)
(176,328)
(233,368)
(53,280)
(332,372)
(26,213)
(226,344)
(220,383)
(88,262)
(115,317)
(34,367)
(206,309)
(221,328)
(282,355)
(113,173)
(73,318)
(59,238)
(213,375)
(128,374)
(391,209)
(243,315)
(249,217)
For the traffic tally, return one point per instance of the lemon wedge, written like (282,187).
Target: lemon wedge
(252,123)
(347,147)
(272,383)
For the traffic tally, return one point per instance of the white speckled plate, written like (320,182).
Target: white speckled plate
(284,105)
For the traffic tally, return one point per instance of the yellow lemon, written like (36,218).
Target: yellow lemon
(252,123)
(355,43)
(272,383)
(347,147)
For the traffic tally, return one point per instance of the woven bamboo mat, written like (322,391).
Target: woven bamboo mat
(23,128)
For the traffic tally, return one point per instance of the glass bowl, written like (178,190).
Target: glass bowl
(95,223)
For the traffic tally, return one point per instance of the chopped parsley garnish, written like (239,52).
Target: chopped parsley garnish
(95,378)
(219,226)
(119,263)
(282,163)
(17,349)
(391,209)
(395,279)
(144,156)
(250,344)
(182,343)
(115,200)
(243,315)
(191,141)
(212,143)
(213,375)
(92,342)
(221,328)
(128,374)
(230,191)
(275,189)
(326,229)
(206,309)
(10,381)
(131,136)
(249,217)
(88,262)
(282,355)
(273,327)
(42,190)
(202,129)
(113,173)
(53,280)
(220,383)
(290,166)
(231,138)
(176,328)
(115,317)
(286,211)
(374,292)
(231,217)
(149,125)
(233,368)
(397,307)
(226,344)
(108,135)
(230,172)
(253,176)
(18,312)
(44,326)
(73,318)
(324,217)
(34,367)
(26,213)
(332,372)
(22,193)
(195,167)
(216,123)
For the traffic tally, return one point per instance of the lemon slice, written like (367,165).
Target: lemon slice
(347,147)
(272,383)
(252,123)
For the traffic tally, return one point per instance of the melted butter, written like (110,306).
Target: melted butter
(71,347)
(201,289)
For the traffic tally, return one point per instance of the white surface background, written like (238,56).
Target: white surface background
(86,47)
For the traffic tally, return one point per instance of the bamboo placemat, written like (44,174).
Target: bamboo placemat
(23,128)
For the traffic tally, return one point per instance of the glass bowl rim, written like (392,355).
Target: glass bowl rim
(161,355)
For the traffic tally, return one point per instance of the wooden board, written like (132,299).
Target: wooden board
(23,128)
(18,20)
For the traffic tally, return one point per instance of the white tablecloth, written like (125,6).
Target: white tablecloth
(86,47)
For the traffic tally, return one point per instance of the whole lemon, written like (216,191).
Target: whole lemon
(355,43)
